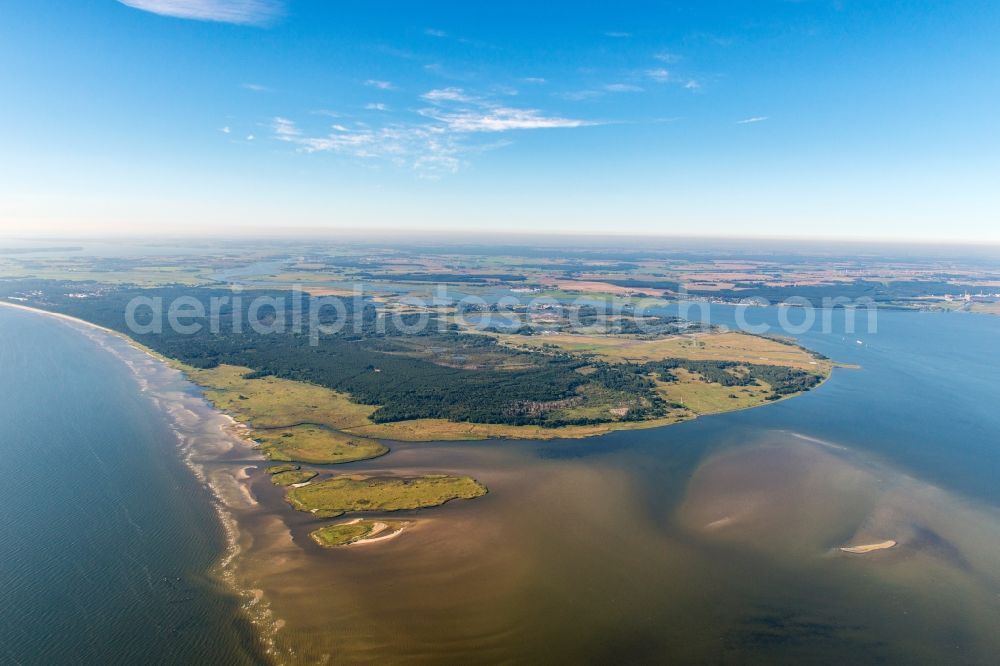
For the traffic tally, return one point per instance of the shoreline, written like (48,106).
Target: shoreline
(430,429)
(204,435)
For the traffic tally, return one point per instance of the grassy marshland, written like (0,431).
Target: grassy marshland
(341,494)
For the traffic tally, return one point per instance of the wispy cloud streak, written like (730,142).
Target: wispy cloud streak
(658,74)
(447,95)
(240,12)
(437,142)
(500,119)
(622,87)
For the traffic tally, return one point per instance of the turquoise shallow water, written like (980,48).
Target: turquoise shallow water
(107,541)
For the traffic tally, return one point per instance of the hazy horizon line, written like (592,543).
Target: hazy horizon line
(252,232)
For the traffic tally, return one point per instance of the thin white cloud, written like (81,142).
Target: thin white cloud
(438,142)
(667,57)
(509,91)
(580,95)
(616,34)
(255,87)
(381,85)
(250,137)
(376,106)
(283,127)
(240,12)
(432,32)
(691,84)
(500,119)
(446,95)
(537,80)
(754,119)
(421,148)
(659,74)
(225,130)
(622,87)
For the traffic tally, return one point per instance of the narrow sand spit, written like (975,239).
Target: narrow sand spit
(869,547)
(721,522)
(379,528)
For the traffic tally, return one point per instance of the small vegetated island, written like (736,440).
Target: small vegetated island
(290,475)
(341,494)
(357,530)
(562,372)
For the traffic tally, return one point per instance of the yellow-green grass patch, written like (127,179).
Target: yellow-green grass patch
(313,444)
(270,402)
(703,397)
(727,346)
(421,430)
(336,496)
(292,476)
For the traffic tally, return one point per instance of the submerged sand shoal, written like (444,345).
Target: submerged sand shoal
(869,547)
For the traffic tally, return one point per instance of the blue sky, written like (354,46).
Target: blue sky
(820,119)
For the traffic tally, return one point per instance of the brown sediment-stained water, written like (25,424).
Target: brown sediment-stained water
(714,541)
(574,558)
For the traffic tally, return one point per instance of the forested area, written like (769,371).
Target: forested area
(782,380)
(436,372)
